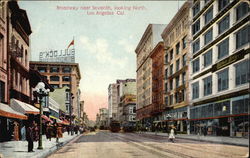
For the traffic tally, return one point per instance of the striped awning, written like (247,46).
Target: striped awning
(53,117)
(22,107)
(7,111)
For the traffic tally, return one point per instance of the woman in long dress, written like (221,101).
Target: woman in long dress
(171,135)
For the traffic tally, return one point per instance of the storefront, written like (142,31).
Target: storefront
(177,118)
(223,118)
(8,120)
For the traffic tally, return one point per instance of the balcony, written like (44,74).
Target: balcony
(15,51)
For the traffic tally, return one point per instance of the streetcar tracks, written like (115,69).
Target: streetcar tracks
(193,147)
(151,148)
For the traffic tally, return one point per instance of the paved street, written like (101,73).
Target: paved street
(129,145)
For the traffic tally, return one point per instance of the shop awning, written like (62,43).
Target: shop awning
(53,117)
(64,122)
(7,111)
(46,118)
(23,108)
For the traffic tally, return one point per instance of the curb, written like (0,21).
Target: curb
(201,140)
(53,149)
(215,142)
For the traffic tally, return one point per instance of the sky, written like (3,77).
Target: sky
(104,43)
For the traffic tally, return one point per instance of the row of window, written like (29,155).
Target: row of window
(177,50)
(241,10)
(238,105)
(54,69)
(177,82)
(178,97)
(19,51)
(58,86)
(177,66)
(242,76)
(221,5)
(242,38)
(57,78)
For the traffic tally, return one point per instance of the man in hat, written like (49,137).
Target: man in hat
(30,137)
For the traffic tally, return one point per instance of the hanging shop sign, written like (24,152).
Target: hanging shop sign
(67,56)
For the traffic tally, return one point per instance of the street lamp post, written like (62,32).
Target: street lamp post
(70,112)
(41,92)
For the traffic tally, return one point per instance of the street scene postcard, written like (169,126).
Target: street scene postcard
(124,79)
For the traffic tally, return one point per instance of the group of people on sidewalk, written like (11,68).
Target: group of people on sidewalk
(52,130)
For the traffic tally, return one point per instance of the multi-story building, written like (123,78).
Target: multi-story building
(157,56)
(149,40)
(220,68)
(127,100)
(97,122)
(14,68)
(176,36)
(3,54)
(60,75)
(61,96)
(113,102)
(103,113)
(124,87)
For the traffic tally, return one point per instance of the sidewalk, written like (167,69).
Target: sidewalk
(18,149)
(212,139)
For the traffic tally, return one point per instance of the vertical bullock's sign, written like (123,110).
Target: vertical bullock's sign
(67,56)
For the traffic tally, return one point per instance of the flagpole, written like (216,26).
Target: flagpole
(74,48)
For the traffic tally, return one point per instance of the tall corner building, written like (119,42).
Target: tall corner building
(150,38)
(176,37)
(220,68)
(60,75)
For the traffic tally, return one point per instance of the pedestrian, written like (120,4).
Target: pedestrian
(68,129)
(16,131)
(48,131)
(30,137)
(171,135)
(205,130)
(35,132)
(58,132)
(23,133)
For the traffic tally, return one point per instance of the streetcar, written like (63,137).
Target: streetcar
(115,126)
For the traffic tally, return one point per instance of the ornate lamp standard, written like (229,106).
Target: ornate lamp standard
(41,92)
(70,113)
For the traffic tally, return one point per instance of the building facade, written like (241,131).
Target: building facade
(3,53)
(60,75)
(157,57)
(149,40)
(220,68)
(176,39)
(113,101)
(103,113)
(127,101)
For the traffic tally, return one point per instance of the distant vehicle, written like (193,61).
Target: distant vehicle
(115,126)
(92,129)
(129,127)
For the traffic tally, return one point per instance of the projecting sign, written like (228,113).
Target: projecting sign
(67,56)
